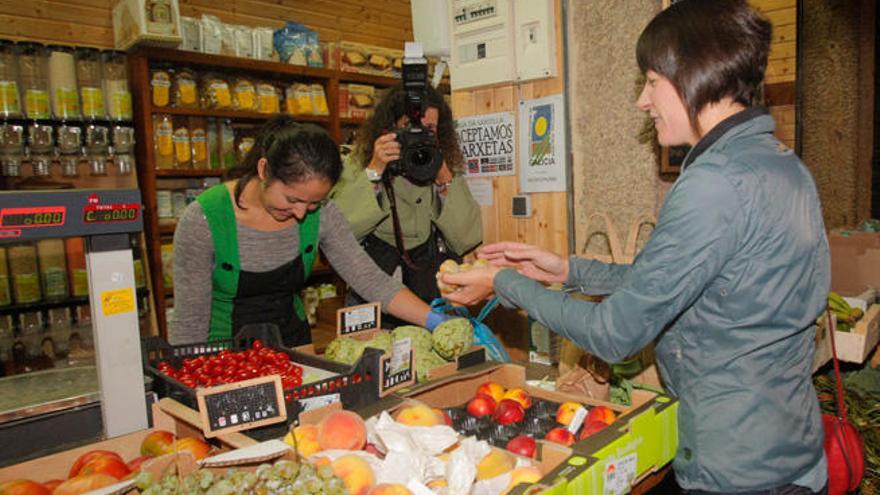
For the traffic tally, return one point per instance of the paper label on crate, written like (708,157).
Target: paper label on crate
(360,318)
(400,353)
(579,416)
(118,301)
(320,401)
(620,474)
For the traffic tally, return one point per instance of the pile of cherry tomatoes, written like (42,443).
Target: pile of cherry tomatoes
(228,367)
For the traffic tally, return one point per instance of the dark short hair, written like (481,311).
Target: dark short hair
(392,107)
(709,50)
(293,151)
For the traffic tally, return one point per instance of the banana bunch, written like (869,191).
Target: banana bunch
(847,316)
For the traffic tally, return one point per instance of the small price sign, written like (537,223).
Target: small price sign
(397,369)
(357,319)
(241,405)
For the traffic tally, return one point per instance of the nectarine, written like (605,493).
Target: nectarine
(23,487)
(342,430)
(520,396)
(492,389)
(355,473)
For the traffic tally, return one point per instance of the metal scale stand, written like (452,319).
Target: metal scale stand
(106,219)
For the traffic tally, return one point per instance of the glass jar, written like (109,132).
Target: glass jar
(164,141)
(88,76)
(182,144)
(10,102)
(116,92)
(62,83)
(34,76)
(199,137)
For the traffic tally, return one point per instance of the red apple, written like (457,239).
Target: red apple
(523,445)
(492,389)
(23,487)
(157,443)
(600,413)
(591,427)
(560,435)
(88,456)
(106,464)
(509,412)
(520,396)
(84,484)
(481,405)
(194,446)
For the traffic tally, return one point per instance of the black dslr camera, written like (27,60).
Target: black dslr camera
(420,158)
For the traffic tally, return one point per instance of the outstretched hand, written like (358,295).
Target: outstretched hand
(531,261)
(475,285)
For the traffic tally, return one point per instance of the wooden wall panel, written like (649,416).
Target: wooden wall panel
(783,14)
(548,225)
(89,22)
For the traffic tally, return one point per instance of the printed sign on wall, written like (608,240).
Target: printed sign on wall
(487,144)
(542,145)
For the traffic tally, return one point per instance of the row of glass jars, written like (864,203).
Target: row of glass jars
(67,83)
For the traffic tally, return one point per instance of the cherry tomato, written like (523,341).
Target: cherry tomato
(258,344)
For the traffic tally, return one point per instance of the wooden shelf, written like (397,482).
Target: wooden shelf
(189,172)
(214,62)
(356,77)
(235,114)
(167,227)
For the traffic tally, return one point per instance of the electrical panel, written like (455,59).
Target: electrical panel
(535,39)
(498,41)
(482,43)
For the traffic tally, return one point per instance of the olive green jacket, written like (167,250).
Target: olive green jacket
(458,217)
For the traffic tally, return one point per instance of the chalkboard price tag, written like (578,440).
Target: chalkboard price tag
(242,405)
(397,368)
(357,319)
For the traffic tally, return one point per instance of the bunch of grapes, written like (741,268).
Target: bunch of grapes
(285,477)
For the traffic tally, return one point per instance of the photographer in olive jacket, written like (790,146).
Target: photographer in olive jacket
(438,220)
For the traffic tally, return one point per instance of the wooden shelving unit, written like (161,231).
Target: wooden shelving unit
(140,63)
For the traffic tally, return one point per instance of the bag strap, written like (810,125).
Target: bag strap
(398,232)
(841,406)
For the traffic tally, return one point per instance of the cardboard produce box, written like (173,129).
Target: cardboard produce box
(855,345)
(855,261)
(643,438)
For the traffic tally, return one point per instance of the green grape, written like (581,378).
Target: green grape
(325,472)
(306,471)
(205,478)
(223,487)
(287,469)
(334,485)
(263,471)
(144,480)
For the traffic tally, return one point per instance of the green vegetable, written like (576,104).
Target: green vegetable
(453,337)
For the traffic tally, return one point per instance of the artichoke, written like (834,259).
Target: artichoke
(453,337)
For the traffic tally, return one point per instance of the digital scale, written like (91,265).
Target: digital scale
(106,219)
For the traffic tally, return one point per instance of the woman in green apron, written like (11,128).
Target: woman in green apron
(243,250)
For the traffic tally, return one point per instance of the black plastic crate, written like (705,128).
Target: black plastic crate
(356,385)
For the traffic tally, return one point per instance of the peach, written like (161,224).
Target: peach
(492,389)
(305,439)
(356,474)
(417,414)
(84,483)
(447,420)
(157,443)
(520,396)
(601,413)
(566,412)
(389,489)
(526,474)
(89,456)
(197,447)
(342,430)
(496,463)
(560,435)
(591,427)
(23,487)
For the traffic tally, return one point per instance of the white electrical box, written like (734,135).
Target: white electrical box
(482,43)
(535,39)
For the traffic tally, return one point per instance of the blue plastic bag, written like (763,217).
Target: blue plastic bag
(482,333)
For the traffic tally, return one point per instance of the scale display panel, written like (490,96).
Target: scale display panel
(26,215)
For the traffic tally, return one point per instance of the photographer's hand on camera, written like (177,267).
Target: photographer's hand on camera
(385,149)
(444,178)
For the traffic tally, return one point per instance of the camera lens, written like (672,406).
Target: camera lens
(421,157)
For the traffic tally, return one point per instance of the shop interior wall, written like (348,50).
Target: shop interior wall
(89,22)
(837,105)
(615,157)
